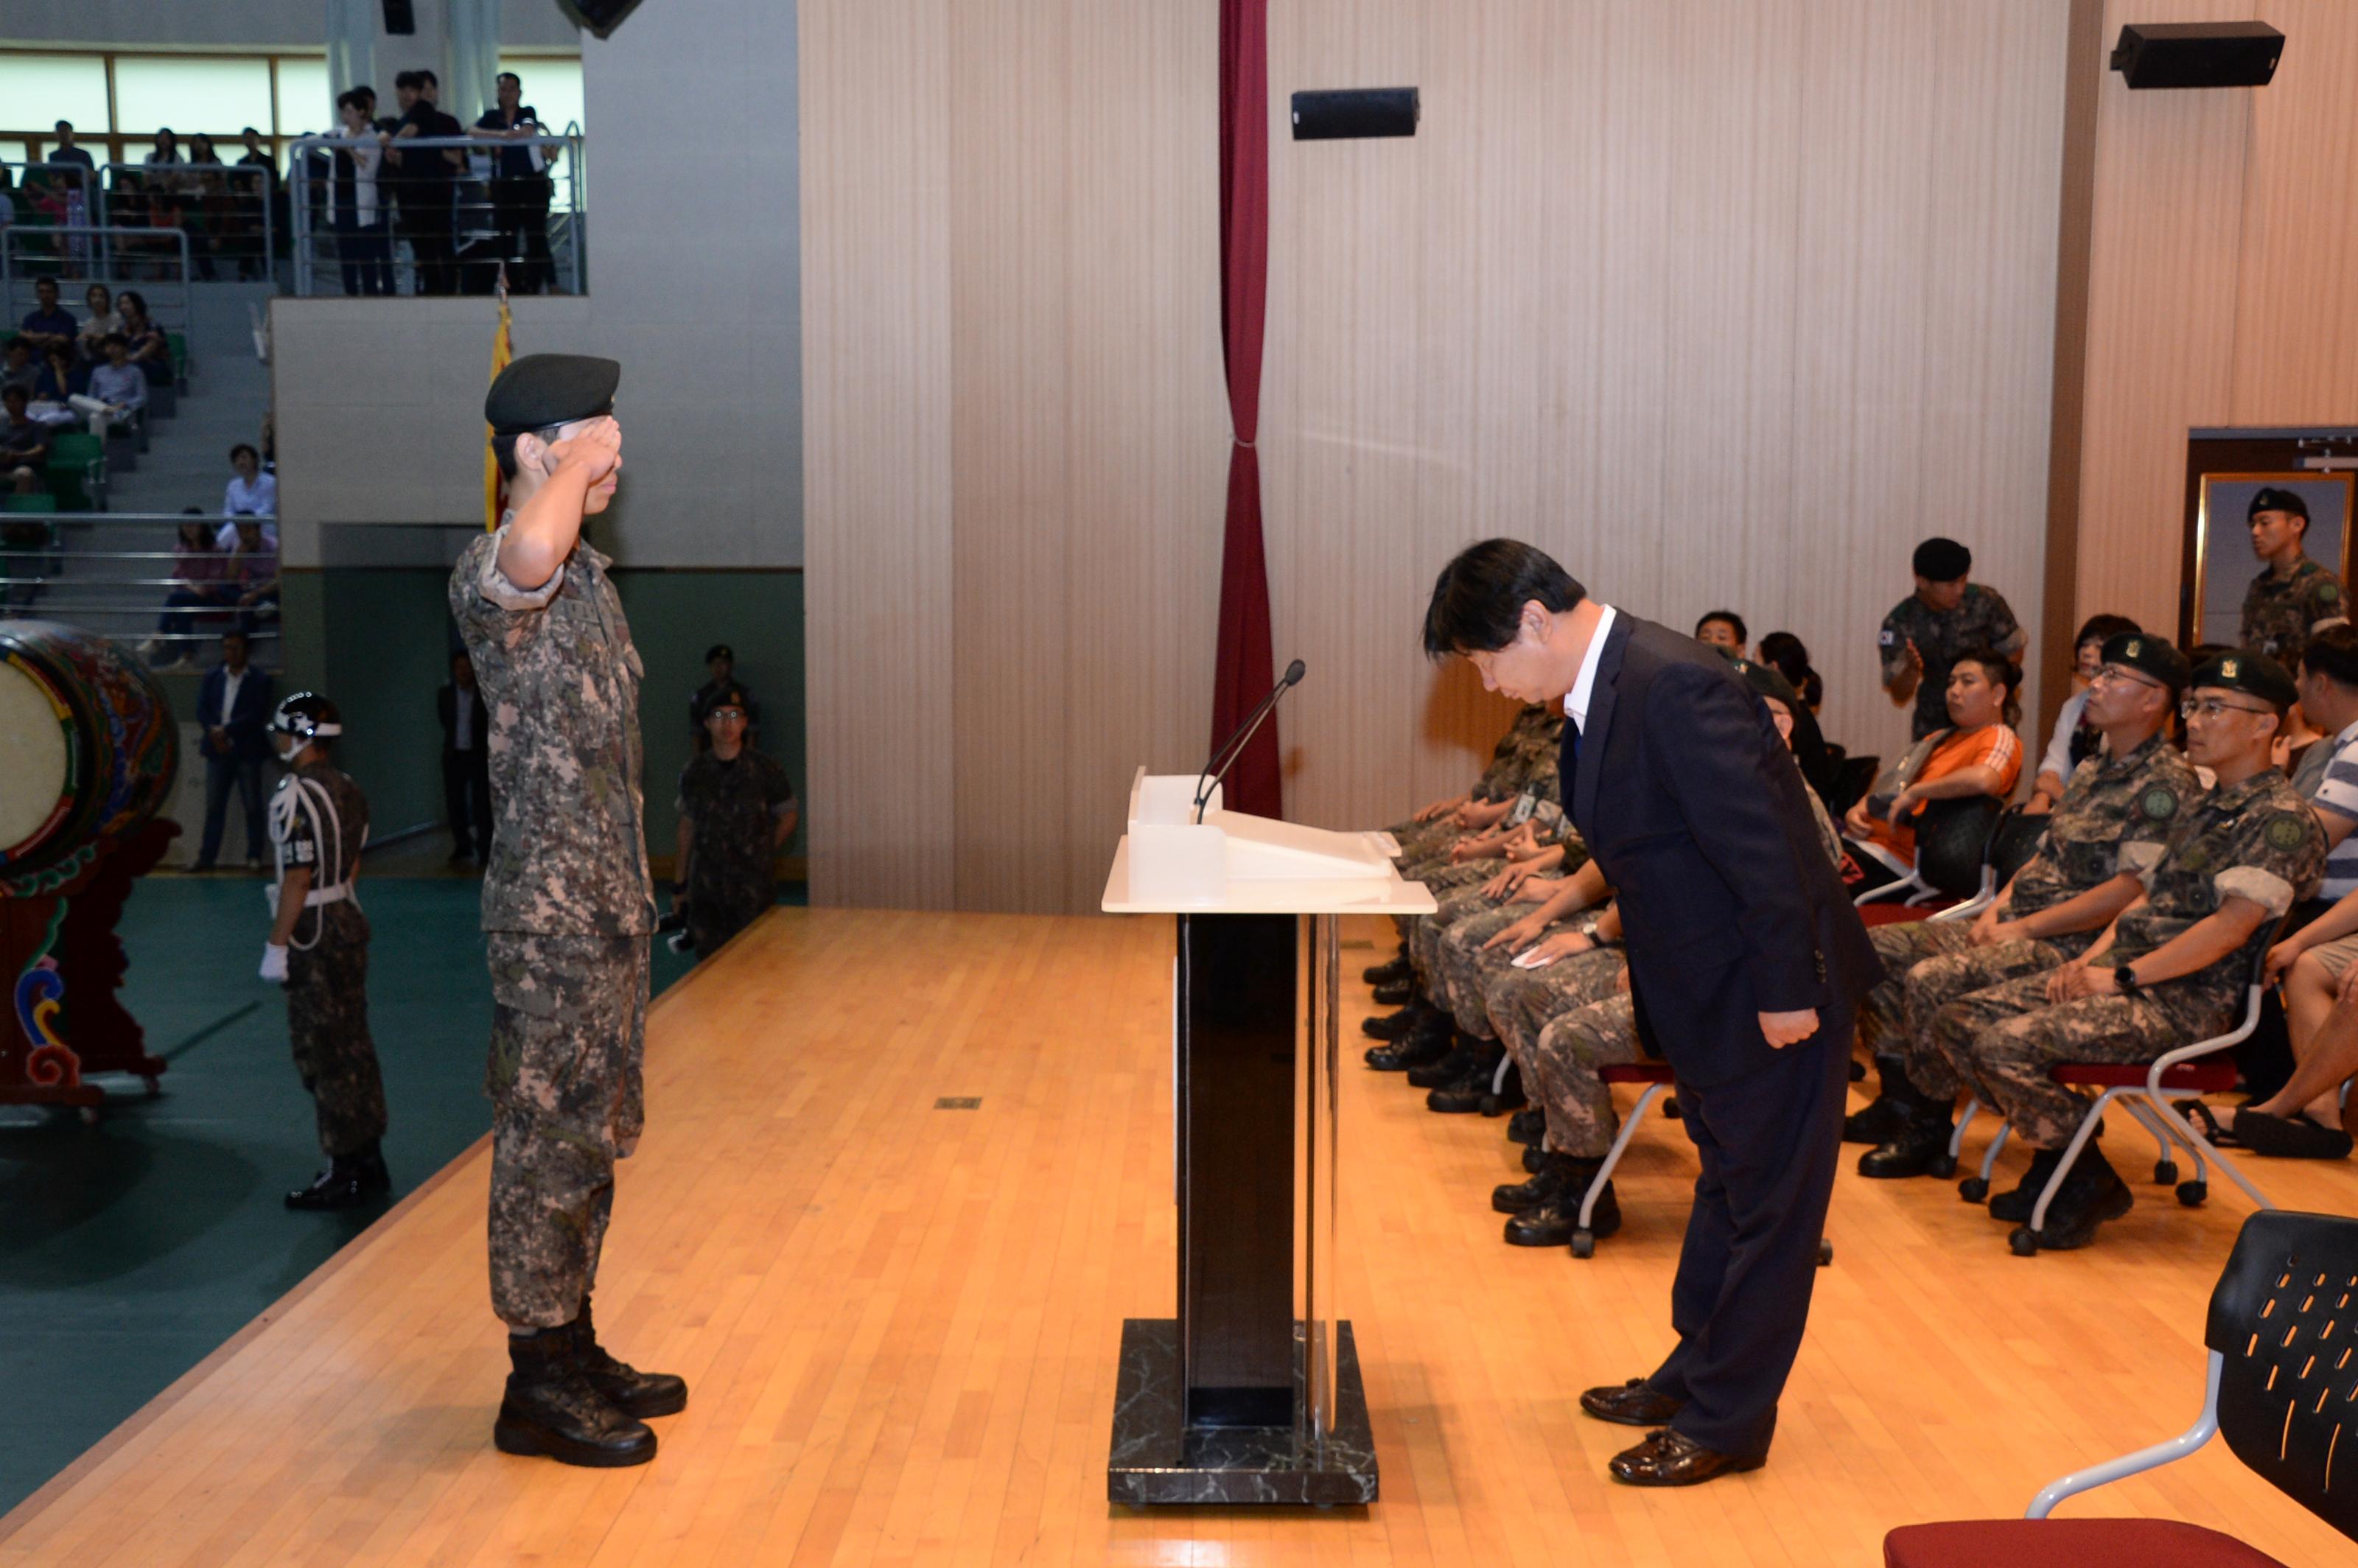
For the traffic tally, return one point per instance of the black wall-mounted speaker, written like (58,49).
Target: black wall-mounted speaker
(400,18)
(1356,111)
(600,16)
(2197,54)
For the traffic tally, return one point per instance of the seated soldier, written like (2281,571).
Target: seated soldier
(2109,827)
(2170,971)
(1568,1016)
(1979,753)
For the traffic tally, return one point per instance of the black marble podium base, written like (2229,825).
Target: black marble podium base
(1157,1458)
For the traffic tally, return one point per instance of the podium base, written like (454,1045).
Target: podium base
(1158,1459)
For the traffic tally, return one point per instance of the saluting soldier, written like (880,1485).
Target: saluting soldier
(2293,595)
(1928,631)
(567,907)
(737,811)
(319,947)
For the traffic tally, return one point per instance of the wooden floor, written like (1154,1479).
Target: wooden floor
(900,1322)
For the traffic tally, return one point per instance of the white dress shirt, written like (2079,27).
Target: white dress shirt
(1575,702)
(231,680)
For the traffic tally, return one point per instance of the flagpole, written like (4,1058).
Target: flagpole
(503,350)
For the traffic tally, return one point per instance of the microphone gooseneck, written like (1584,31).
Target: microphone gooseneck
(1225,757)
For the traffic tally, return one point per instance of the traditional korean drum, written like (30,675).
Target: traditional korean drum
(88,752)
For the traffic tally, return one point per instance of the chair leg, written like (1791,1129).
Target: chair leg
(1989,1157)
(2203,1145)
(2079,1136)
(2165,1160)
(1957,1136)
(1613,1155)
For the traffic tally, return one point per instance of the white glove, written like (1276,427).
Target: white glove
(273,962)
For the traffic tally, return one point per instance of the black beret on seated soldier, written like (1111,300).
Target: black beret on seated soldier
(539,391)
(2254,675)
(2143,652)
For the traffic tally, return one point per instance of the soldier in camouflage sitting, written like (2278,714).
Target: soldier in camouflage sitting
(2293,595)
(2108,829)
(2170,971)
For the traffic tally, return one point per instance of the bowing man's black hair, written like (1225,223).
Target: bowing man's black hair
(1478,600)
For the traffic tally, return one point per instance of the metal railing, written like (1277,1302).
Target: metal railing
(112,573)
(121,258)
(437,233)
(232,214)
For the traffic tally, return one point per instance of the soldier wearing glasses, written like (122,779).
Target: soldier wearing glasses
(737,811)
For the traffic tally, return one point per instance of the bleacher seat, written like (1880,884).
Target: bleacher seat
(77,470)
(29,503)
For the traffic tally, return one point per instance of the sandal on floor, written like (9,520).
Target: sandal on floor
(2291,1137)
(2209,1126)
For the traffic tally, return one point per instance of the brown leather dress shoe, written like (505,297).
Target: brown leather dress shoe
(1667,1459)
(1633,1403)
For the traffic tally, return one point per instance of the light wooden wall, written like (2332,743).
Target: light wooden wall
(1726,301)
(2220,283)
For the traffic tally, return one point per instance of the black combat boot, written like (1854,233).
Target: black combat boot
(1509,1096)
(1922,1142)
(1384,973)
(1417,1015)
(1396,993)
(628,1390)
(1464,1054)
(350,1181)
(1527,1127)
(2014,1207)
(551,1409)
(1553,1223)
(1425,1043)
(1888,1113)
(1471,1087)
(2093,1194)
(1521,1198)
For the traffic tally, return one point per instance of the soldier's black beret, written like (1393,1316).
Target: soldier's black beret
(541,390)
(1769,681)
(727,697)
(2156,657)
(1943,560)
(2267,498)
(2254,675)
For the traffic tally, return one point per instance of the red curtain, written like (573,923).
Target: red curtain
(1245,669)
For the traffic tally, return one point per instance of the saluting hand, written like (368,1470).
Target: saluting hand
(596,451)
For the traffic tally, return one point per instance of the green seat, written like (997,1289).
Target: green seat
(177,343)
(31,502)
(77,469)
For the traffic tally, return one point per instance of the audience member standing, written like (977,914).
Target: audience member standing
(720,665)
(2293,596)
(737,811)
(1925,632)
(519,185)
(251,493)
(466,764)
(233,708)
(426,178)
(357,198)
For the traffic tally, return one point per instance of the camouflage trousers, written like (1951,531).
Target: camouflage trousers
(712,921)
(2002,1039)
(568,1021)
(1925,967)
(1522,1004)
(327,1023)
(1469,969)
(1580,1121)
(1458,891)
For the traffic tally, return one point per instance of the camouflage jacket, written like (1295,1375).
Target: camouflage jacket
(2116,816)
(332,849)
(2256,839)
(560,683)
(734,809)
(1529,745)
(2279,612)
(1982,619)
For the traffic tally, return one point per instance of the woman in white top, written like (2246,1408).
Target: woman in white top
(91,339)
(2055,767)
(251,493)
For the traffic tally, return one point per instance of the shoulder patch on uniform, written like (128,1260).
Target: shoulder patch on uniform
(2288,831)
(1887,638)
(2159,803)
(2328,591)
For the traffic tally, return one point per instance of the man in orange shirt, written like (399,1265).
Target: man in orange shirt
(1979,755)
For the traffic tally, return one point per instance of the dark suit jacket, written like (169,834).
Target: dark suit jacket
(1694,809)
(446,708)
(249,739)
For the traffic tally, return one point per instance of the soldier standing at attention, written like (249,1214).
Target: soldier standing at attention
(567,907)
(1930,629)
(736,812)
(2292,595)
(319,948)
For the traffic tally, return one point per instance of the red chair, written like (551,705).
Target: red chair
(2283,1389)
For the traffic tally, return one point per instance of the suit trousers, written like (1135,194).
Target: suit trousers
(467,802)
(1769,1142)
(221,775)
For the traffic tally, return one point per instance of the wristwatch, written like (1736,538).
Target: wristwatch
(2125,979)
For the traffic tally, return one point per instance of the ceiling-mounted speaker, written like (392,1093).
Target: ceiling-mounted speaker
(400,18)
(600,16)
(2197,54)
(1356,111)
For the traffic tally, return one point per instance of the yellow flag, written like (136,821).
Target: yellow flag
(503,351)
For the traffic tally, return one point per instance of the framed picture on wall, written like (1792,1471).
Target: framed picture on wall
(2223,565)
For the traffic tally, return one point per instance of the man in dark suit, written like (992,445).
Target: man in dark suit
(1747,965)
(466,764)
(234,708)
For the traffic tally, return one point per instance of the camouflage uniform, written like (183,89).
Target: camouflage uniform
(2255,840)
(1521,1003)
(567,904)
(1981,620)
(326,964)
(2116,816)
(732,866)
(1527,748)
(2279,612)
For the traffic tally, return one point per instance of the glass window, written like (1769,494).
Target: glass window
(305,104)
(14,152)
(191,94)
(552,85)
(40,90)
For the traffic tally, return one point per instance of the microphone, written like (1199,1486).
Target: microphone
(1225,758)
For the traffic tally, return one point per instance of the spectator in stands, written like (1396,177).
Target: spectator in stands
(268,436)
(201,151)
(2172,968)
(2075,739)
(426,181)
(254,186)
(1927,631)
(1979,753)
(167,170)
(55,385)
(90,342)
(67,152)
(1791,658)
(118,391)
(22,370)
(24,444)
(47,326)
(466,762)
(254,572)
(258,157)
(234,706)
(363,231)
(519,185)
(251,493)
(150,350)
(198,568)
(1724,628)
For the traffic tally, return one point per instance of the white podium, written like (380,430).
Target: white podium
(1252,1394)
